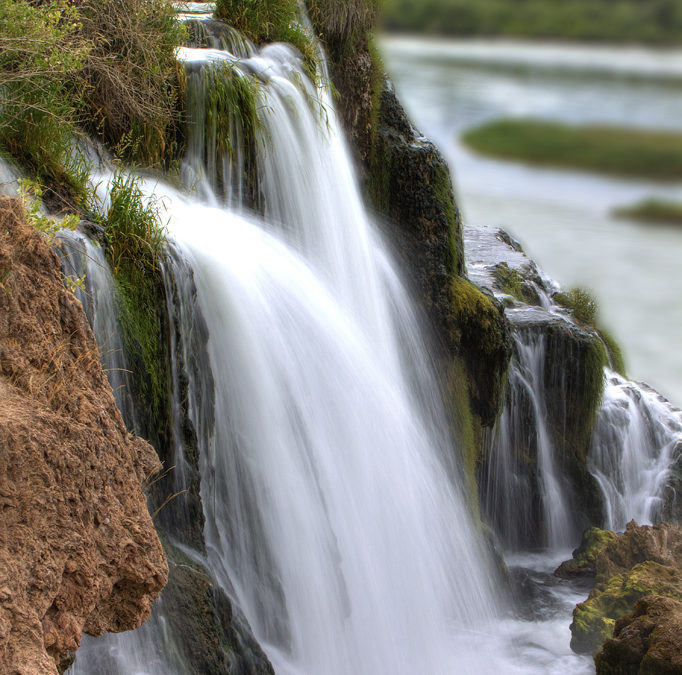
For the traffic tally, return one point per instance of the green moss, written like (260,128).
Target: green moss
(442,188)
(594,619)
(583,562)
(484,345)
(653,211)
(655,155)
(466,429)
(616,360)
(511,282)
(580,302)
(581,422)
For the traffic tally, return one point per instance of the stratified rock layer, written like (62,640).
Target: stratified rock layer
(78,551)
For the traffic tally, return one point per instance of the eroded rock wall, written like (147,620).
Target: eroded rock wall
(78,550)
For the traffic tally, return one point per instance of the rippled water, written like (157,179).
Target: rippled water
(563,217)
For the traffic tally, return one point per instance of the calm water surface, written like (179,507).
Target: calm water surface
(563,217)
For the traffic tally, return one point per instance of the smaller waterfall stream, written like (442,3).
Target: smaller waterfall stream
(637,436)
(522,454)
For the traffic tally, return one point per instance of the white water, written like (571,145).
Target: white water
(523,429)
(634,440)
(333,513)
(327,469)
(81,257)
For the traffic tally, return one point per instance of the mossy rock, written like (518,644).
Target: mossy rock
(645,642)
(484,340)
(210,633)
(594,619)
(584,561)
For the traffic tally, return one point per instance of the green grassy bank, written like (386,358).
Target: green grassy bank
(653,210)
(654,155)
(656,22)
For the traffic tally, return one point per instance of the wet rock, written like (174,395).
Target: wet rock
(209,631)
(584,560)
(645,560)
(78,551)
(645,642)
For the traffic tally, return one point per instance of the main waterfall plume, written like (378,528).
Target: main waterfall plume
(333,511)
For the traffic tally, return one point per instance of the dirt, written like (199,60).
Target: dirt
(78,549)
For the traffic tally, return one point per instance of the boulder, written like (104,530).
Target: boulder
(645,560)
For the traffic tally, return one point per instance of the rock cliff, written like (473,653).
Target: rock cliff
(78,550)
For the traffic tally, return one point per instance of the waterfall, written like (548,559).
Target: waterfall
(525,494)
(334,516)
(637,436)
(83,258)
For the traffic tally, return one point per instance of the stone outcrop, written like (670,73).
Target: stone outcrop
(584,560)
(645,561)
(646,642)
(78,551)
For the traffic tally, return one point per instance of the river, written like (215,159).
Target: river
(563,218)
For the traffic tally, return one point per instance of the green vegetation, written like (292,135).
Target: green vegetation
(40,51)
(655,155)
(135,241)
(584,308)
(231,107)
(580,302)
(108,67)
(594,619)
(654,21)
(511,282)
(135,235)
(270,21)
(613,350)
(653,211)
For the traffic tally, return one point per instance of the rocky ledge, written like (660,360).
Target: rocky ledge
(633,615)
(78,550)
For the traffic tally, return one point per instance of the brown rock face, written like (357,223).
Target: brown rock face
(660,543)
(646,641)
(78,551)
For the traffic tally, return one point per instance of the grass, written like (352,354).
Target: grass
(271,21)
(135,245)
(134,232)
(654,155)
(585,310)
(107,67)
(653,22)
(653,211)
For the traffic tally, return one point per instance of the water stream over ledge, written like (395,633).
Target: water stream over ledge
(334,512)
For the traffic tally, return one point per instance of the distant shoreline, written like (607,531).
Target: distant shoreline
(656,22)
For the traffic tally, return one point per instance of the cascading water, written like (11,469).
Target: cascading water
(83,259)
(521,454)
(332,513)
(635,440)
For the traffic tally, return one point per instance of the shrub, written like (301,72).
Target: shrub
(41,54)
(132,74)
